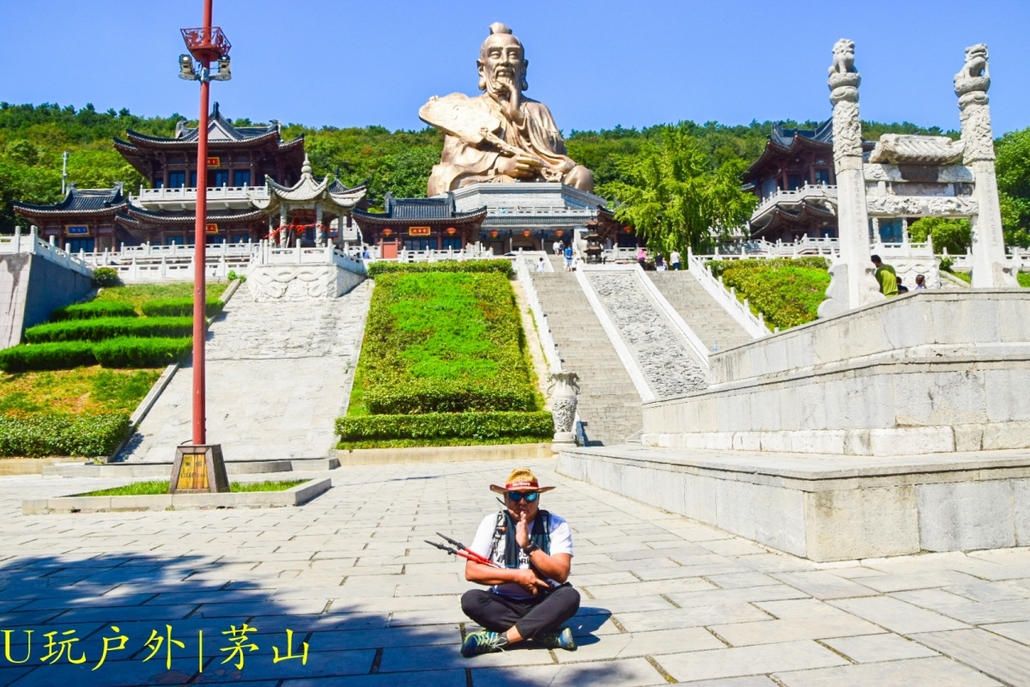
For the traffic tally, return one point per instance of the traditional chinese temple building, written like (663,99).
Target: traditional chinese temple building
(85,220)
(252,178)
(419,224)
(795,182)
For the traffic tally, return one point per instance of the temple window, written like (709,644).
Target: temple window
(794,181)
(822,176)
(176,179)
(218,178)
(241,177)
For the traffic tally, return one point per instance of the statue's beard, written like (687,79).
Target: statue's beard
(507,93)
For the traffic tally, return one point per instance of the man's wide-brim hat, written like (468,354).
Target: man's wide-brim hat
(520,479)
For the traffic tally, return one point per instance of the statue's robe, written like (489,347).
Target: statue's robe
(469,158)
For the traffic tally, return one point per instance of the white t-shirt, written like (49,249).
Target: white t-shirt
(561,542)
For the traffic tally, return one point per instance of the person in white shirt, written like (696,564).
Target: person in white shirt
(530,596)
(674,258)
(541,266)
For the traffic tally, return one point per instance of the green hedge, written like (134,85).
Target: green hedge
(129,352)
(122,352)
(62,355)
(93,310)
(444,342)
(473,266)
(61,434)
(786,291)
(432,426)
(178,307)
(109,328)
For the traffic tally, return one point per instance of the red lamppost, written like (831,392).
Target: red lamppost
(206,45)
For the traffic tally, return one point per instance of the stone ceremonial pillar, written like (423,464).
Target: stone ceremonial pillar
(990,268)
(564,389)
(852,283)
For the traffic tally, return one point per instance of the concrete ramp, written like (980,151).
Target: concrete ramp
(278,375)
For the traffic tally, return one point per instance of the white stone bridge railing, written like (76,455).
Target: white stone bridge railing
(740,312)
(524,264)
(31,243)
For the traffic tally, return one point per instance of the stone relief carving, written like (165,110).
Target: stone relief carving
(847,130)
(899,149)
(971,84)
(913,206)
(948,174)
(292,283)
(564,390)
(843,82)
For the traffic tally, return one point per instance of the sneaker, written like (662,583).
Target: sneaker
(484,642)
(558,640)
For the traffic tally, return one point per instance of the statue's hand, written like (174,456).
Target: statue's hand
(519,166)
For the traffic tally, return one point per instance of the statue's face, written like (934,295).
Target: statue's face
(501,64)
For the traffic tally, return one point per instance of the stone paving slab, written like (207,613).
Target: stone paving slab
(348,573)
(305,371)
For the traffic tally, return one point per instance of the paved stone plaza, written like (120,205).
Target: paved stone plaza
(664,598)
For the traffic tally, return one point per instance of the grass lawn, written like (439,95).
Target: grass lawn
(161,487)
(82,390)
(138,294)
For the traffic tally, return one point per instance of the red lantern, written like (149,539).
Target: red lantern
(387,231)
(527,233)
(493,234)
(451,231)
(628,230)
(559,233)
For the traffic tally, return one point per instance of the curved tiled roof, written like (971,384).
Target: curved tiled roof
(143,217)
(87,201)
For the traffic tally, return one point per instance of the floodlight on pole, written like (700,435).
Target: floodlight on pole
(205,45)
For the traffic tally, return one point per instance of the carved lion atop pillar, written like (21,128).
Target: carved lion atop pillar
(843,57)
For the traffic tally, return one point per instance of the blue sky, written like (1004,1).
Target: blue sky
(597,64)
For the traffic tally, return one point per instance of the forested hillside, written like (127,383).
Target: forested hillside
(672,180)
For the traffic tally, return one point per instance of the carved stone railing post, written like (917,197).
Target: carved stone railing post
(564,391)
(990,269)
(852,283)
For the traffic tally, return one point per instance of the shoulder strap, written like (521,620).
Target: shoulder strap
(498,533)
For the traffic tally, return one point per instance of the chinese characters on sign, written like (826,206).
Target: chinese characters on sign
(232,646)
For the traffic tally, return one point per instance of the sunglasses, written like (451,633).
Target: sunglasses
(517,496)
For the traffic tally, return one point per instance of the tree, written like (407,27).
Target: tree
(953,234)
(675,194)
(1013,168)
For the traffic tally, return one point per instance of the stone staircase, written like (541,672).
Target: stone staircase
(609,405)
(712,324)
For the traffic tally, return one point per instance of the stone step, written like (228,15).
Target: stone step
(702,313)
(609,405)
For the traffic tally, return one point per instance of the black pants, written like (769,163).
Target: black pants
(531,617)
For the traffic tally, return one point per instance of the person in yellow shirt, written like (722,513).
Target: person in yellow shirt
(886,277)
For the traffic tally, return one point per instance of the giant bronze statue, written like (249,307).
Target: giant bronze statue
(501,135)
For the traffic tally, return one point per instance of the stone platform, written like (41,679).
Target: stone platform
(827,507)
(928,372)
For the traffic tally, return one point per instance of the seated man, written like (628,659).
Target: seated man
(529,595)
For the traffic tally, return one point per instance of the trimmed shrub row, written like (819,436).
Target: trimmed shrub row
(62,434)
(444,396)
(122,352)
(109,328)
(179,307)
(93,310)
(502,266)
(483,426)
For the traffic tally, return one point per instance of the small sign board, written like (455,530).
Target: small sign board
(214,162)
(198,469)
(76,230)
(211,228)
(419,231)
